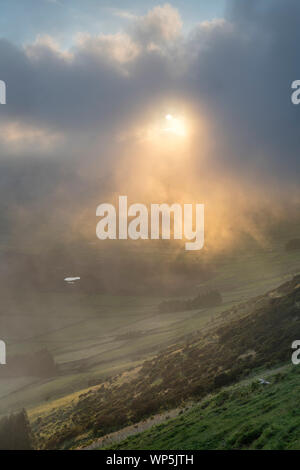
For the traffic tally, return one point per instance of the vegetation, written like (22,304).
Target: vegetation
(252,416)
(208,299)
(15,433)
(85,332)
(255,334)
(39,364)
(100,341)
(293,245)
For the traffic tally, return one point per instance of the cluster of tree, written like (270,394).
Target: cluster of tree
(15,432)
(37,364)
(115,272)
(212,298)
(293,245)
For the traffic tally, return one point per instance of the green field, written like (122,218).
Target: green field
(245,416)
(247,337)
(95,336)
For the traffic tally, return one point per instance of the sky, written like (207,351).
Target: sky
(89,86)
(22,20)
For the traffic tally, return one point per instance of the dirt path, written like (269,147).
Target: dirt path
(122,434)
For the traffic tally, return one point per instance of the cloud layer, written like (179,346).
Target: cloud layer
(79,111)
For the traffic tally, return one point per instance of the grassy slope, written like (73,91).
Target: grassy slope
(251,416)
(85,333)
(256,334)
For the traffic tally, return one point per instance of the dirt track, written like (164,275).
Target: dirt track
(133,429)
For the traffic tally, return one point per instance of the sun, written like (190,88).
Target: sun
(164,130)
(175,125)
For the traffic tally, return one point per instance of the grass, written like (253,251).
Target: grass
(87,333)
(251,416)
(257,334)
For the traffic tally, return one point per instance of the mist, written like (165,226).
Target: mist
(83,125)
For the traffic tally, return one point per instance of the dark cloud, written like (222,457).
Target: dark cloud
(241,69)
(244,74)
(69,107)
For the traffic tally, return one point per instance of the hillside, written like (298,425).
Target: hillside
(252,416)
(257,333)
(93,336)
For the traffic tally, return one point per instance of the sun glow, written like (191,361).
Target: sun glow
(175,126)
(162,130)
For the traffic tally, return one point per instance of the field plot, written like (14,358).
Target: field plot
(95,336)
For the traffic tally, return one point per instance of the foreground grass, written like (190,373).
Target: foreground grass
(252,416)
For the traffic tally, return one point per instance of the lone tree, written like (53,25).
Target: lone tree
(15,432)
